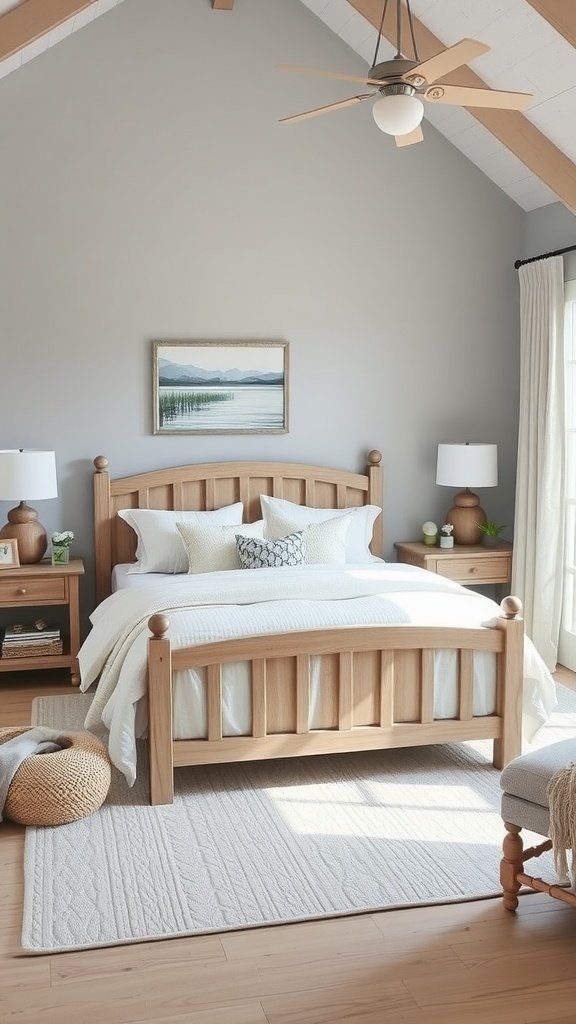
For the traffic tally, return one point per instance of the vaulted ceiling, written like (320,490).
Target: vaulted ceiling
(530,155)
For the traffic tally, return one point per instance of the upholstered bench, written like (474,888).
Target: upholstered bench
(524,782)
(60,786)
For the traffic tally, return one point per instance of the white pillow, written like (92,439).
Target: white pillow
(261,554)
(325,542)
(359,533)
(160,547)
(213,548)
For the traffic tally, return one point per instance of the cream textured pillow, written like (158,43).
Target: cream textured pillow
(325,542)
(262,554)
(213,548)
(359,534)
(160,547)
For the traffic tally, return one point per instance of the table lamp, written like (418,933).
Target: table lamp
(25,471)
(467,465)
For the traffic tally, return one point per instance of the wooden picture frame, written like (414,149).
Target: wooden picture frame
(220,387)
(9,558)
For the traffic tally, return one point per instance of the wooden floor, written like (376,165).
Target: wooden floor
(467,963)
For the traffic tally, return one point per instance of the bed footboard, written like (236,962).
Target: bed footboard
(376,692)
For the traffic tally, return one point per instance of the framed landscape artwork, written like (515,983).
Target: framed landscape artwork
(220,387)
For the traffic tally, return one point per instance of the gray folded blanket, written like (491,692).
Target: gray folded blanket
(39,740)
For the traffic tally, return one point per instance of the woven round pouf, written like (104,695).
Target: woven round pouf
(56,788)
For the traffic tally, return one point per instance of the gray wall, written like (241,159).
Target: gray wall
(149,192)
(549,229)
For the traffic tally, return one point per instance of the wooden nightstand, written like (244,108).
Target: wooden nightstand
(29,586)
(470,564)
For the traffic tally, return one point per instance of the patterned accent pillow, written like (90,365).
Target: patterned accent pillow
(255,553)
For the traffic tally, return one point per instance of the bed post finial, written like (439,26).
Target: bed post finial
(101,463)
(511,607)
(158,625)
(374,457)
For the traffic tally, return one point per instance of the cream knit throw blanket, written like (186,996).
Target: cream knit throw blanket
(561,793)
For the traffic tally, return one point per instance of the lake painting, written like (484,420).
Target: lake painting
(220,387)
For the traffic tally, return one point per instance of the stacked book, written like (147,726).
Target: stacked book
(31,640)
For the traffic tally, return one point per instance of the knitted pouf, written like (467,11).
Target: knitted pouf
(55,788)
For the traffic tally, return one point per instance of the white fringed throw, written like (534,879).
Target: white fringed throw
(561,793)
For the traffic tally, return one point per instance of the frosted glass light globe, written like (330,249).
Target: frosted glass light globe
(429,529)
(398,114)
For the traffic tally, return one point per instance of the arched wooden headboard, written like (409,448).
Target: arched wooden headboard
(206,486)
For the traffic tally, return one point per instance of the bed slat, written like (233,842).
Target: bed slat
(214,685)
(302,693)
(259,727)
(386,688)
(427,687)
(345,690)
(466,686)
(178,495)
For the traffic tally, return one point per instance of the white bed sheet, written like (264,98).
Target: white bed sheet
(214,606)
(123,577)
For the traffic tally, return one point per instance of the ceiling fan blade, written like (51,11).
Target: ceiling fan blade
(327,74)
(453,57)
(324,110)
(467,97)
(410,138)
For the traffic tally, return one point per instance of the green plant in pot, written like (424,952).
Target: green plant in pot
(490,533)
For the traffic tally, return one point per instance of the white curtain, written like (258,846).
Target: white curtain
(539,518)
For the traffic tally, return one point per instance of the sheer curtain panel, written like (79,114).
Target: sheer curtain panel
(539,517)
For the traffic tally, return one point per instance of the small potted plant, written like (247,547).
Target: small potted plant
(61,547)
(490,533)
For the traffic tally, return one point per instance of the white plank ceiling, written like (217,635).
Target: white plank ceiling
(529,53)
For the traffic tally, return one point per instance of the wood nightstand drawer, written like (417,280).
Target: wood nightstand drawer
(32,590)
(492,569)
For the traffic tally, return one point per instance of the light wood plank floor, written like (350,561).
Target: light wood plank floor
(467,963)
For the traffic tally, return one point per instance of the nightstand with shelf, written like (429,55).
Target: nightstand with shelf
(469,564)
(42,584)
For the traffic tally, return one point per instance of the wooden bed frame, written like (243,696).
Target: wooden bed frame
(377,681)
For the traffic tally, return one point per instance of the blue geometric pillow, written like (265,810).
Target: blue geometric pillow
(255,553)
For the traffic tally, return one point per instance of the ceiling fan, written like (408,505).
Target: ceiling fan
(402,83)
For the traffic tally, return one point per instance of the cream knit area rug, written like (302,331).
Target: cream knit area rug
(267,842)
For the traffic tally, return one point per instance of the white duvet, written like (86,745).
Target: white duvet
(218,605)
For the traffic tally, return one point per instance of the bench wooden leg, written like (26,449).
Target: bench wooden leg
(511,865)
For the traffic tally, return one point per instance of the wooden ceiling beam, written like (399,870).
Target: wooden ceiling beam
(561,14)
(510,127)
(32,19)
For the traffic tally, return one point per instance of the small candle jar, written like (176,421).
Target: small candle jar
(429,532)
(446,538)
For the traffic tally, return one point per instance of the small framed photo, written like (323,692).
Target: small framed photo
(9,554)
(220,387)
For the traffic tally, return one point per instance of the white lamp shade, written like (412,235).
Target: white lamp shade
(27,474)
(467,465)
(398,114)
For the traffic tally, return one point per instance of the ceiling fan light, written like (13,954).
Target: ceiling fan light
(398,114)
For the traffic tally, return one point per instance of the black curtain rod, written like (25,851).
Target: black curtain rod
(544,256)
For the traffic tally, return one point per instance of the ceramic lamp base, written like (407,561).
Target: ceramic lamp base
(23,526)
(464,516)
